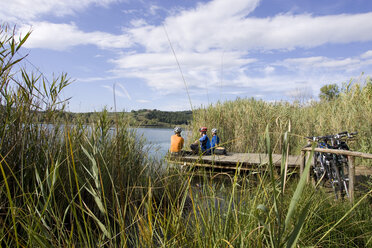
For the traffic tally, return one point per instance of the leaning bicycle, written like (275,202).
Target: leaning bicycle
(329,167)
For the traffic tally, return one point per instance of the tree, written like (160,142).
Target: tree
(329,92)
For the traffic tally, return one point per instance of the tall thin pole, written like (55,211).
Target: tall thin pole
(179,67)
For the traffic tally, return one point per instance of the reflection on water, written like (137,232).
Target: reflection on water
(158,139)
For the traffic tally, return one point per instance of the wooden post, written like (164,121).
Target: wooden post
(351,177)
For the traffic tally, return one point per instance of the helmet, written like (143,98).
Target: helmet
(203,129)
(177,130)
(214,130)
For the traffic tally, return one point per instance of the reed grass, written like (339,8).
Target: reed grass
(70,185)
(242,122)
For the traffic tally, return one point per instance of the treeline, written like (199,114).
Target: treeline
(167,117)
(142,117)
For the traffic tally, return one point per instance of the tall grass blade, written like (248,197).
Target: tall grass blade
(298,192)
(293,238)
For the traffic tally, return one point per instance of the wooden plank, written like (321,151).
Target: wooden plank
(341,152)
(189,164)
(242,158)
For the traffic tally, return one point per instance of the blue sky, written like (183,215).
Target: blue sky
(270,49)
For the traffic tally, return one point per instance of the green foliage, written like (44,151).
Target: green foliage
(141,117)
(329,92)
(172,118)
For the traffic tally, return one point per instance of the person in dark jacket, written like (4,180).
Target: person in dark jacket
(205,145)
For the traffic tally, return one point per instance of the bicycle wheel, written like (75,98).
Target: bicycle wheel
(337,182)
(344,179)
(318,168)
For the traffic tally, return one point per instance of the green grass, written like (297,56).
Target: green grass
(70,185)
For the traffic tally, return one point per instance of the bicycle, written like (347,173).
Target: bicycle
(329,166)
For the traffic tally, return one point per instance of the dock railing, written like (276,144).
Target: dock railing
(305,154)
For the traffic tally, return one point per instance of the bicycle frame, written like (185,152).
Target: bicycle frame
(330,167)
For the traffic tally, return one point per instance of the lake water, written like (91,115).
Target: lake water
(158,139)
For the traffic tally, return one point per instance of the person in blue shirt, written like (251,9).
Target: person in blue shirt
(215,139)
(205,145)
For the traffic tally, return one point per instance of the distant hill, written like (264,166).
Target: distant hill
(147,117)
(142,117)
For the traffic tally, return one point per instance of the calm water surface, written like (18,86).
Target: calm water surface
(158,139)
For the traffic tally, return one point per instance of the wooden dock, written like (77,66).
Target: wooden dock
(259,162)
(247,161)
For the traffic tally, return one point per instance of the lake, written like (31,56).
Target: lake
(158,139)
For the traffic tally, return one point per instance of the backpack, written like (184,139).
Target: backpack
(219,150)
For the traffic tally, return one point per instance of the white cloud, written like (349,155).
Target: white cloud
(225,25)
(160,61)
(63,36)
(197,29)
(325,63)
(269,69)
(138,22)
(26,10)
(160,70)
(367,54)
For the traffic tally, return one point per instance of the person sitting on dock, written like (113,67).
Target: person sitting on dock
(215,139)
(176,142)
(205,145)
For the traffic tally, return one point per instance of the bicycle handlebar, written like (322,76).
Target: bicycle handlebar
(335,136)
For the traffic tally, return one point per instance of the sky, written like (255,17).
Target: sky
(177,55)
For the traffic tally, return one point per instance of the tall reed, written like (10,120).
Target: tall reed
(242,122)
(61,182)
